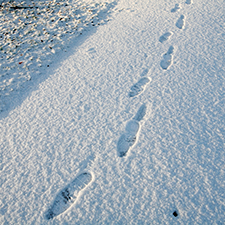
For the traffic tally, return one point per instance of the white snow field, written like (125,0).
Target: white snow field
(127,126)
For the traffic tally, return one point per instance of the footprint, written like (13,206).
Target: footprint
(132,127)
(126,141)
(180,22)
(188,2)
(141,113)
(129,138)
(165,37)
(144,73)
(170,50)
(91,50)
(139,87)
(167,58)
(66,198)
(176,8)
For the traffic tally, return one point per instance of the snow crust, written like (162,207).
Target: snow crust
(71,119)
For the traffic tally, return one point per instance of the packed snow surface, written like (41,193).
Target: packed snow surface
(112,112)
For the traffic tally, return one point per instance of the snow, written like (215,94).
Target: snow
(33,32)
(148,82)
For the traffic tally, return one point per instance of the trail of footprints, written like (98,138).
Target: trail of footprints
(167,60)
(128,139)
(68,196)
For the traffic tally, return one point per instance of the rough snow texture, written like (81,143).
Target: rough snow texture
(34,33)
(71,122)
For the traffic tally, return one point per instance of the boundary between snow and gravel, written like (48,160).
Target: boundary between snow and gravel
(35,36)
(74,121)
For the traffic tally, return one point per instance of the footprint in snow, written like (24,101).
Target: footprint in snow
(165,37)
(176,8)
(167,58)
(188,2)
(144,73)
(129,138)
(139,87)
(141,113)
(91,50)
(67,197)
(180,22)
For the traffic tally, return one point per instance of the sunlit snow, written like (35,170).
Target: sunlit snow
(112,112)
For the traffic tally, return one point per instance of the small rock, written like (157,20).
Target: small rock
(175,213)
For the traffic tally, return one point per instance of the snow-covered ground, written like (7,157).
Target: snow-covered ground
(33,34)
(123,124)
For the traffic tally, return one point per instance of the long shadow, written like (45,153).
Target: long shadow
(16,98)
